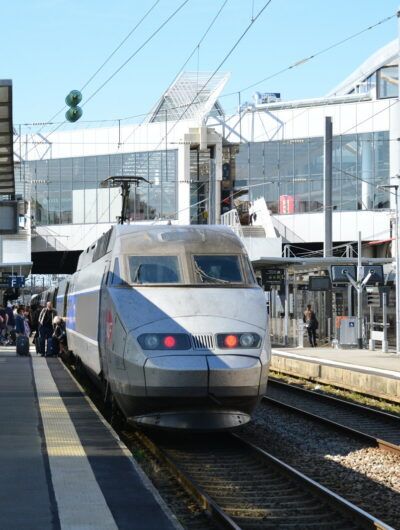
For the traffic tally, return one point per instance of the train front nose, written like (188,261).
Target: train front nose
(203,392)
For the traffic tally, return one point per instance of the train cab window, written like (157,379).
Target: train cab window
(218,269)
(154,269)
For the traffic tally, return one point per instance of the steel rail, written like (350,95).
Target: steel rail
(336,501)
(190,485)
(354,407)
(352,513)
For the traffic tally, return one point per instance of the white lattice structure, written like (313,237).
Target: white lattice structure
(192,96)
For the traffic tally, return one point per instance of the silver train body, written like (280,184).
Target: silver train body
(172,320)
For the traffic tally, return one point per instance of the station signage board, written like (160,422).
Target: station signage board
(12,280)
(272,277)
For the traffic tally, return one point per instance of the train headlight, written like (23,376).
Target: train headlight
(238,340)
(247,340)
(150,342)
(164,341)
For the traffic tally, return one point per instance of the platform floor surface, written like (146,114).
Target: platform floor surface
(355,359)
(62,467)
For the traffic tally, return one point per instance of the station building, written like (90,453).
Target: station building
(15,236)
(201,164)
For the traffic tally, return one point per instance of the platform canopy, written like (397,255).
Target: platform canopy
(299,265)
(192,96)
(7,184)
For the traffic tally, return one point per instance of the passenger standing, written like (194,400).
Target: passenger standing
(10,325)
(60,334)
(20,322)
(3,325)
(46,318)
(27,321)
(35,313)
(311,323)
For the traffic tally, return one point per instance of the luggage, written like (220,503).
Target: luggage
(22,343)
(53,346)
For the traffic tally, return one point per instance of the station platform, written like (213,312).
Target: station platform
(368,372)
(62,466)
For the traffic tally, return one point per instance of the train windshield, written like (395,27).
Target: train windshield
(154,269)
(218,269)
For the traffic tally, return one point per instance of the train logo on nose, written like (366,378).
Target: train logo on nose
(109,327)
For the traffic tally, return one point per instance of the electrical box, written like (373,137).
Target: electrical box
(348,333)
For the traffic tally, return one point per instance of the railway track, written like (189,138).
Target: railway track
(377,428)
(244,487)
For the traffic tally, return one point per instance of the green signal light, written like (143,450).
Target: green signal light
(73,114)
(72,100)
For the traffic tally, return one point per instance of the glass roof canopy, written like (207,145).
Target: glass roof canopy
(7,185)
(192,96)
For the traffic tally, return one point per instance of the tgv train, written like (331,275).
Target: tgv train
(172,321)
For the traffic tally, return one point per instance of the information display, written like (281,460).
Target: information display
(270,277)
(319,283)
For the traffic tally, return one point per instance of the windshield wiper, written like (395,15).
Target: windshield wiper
(137,275)
(203,275)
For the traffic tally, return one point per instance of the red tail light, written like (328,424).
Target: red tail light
(169,341)
(231,341)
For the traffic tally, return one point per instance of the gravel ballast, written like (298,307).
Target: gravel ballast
(365,476)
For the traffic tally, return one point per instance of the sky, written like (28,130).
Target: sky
(50,47)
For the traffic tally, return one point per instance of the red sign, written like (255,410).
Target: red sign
(109,327)
(286,204)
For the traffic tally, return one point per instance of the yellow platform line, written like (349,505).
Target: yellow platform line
(81,504)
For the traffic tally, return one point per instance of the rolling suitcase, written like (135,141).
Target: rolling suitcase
(52,346)
(22,344)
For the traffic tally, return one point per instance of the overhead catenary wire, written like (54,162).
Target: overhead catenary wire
(309,58)
(226,57)
(108,58)
(153,34)
(297,63)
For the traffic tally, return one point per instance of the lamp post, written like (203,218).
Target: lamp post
(396,188)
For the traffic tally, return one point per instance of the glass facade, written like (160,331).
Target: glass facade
(289,173)
(67,190)
(388,80)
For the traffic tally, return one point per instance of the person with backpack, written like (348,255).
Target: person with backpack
(46,318)
(311,323)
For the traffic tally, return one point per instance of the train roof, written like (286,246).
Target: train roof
(192,238)
(148,238)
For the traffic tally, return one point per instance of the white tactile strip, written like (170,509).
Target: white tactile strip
(81,504)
